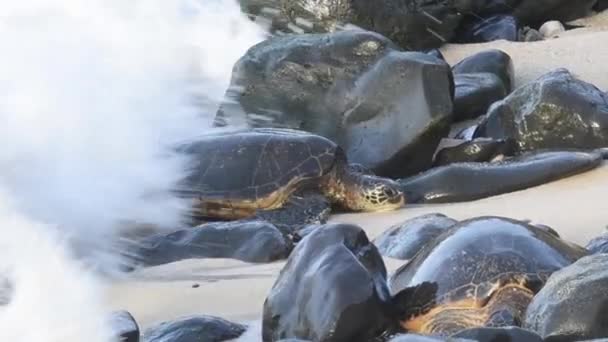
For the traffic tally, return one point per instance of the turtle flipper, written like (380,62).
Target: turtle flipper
(300,210)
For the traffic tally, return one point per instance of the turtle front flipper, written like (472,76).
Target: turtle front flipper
(300,210)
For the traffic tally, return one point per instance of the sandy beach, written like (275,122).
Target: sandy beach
(574,206)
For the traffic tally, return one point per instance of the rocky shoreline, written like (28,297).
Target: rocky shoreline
(373,116)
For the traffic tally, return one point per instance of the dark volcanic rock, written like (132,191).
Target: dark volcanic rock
(509,334)
(403,241)
(598,244)
(601,5)
(492,61)
(249,241)
(469,181)
(413,24)
(556,111)
(495,27)
(124,326)
(573,303)
(534,12)
(333,288)
(387,108)
(476,150)
(194,329)
(474,93)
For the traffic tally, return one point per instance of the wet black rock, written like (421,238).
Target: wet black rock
(509,334)
(249,241)
(534,12)
(492,61)
(124,326)
(387,108)
(598,244)
(573,304)
(474,93)
(556,111)
(413,24)
(601,5)
(333,288)
(487,29)
(476,150)
(469,181)
(404,240)
(194,329)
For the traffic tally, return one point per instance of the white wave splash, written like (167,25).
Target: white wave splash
(91,94)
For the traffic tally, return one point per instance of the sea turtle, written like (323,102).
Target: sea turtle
(485,271)
(252,172)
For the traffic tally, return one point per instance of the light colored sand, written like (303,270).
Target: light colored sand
(575,206)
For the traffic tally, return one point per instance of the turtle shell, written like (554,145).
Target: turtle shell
(472,260)
(247,167)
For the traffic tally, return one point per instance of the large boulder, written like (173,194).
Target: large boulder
(556,111)
(573,304)
(413,24)
(495,27)
(249,241)
(333,288)
(387,108)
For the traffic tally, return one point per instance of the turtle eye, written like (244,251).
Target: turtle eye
(390,192)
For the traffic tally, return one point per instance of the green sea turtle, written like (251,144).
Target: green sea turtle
(252,172)
(485,271)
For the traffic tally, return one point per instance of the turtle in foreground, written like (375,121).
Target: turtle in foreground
(485,270)
(277,174)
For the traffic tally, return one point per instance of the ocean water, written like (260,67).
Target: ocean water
(91,95)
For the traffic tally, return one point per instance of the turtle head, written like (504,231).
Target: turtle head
(377,194)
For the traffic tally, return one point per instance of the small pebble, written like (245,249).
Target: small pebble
(552,29)
(194,286)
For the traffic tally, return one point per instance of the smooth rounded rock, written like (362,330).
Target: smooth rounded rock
(249,241)
(474,93)
(332,288)
(556,111)
(573,304)
(492,61)
(194,329)
(487,29)
(551,29)
(404,240)
(388,109)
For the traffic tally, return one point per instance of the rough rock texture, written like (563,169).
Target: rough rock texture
(510,334)
(333,288)
(249,241)
(403,241)
(387,108)
(492,61)
(476,150)
(469,181)
(474,93)
(494,27)
(194,329)
(124,326)
(556,111)
(598,244)
(574,302)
